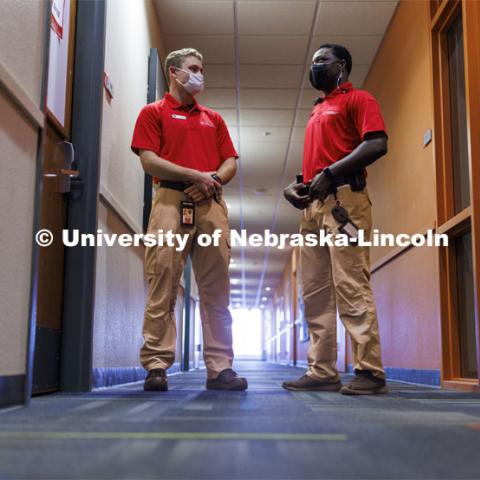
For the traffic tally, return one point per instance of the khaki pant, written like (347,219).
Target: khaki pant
(164,266)
(339,278)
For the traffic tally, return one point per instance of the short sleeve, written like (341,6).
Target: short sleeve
(225,144)
(366,114)
(147,132)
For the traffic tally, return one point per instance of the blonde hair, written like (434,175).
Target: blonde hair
(176,58)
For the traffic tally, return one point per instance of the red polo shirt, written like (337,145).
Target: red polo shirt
(337,126)
(196,138)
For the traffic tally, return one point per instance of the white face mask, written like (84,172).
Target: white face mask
(194,84)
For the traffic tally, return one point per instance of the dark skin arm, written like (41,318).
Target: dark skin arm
(371,149)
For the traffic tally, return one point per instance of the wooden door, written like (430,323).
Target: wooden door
(57,180)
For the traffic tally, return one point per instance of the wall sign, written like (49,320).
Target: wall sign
(58,59)
(56,17)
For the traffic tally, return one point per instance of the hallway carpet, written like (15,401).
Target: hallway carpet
(264,433)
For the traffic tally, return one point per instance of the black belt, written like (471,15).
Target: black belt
(180,186)
(356,181)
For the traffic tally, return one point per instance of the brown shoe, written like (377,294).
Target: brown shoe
(307,383)
(227,380)
(156,380)
(365,383)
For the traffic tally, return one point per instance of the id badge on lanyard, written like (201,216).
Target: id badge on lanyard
(187,213)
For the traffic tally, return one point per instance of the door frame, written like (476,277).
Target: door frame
(80,263)
(442,14)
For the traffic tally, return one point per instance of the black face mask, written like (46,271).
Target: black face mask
(319,77)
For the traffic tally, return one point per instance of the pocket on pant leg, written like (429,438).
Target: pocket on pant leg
(161,259)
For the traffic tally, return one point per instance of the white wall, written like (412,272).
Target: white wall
(21,55)
(120,289)
(21,42)
(128,42)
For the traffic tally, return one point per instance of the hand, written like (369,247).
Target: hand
(195,194)
(291,193)
(205,184)
(320,186)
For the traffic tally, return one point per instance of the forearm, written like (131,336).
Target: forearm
(365,154)
(164,169)
(227,170)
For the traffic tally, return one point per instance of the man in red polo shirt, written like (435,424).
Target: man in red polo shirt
(345,133)
(187,149)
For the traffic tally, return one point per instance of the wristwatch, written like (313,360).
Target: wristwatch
(217,178)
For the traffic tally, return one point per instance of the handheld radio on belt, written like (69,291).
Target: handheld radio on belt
(339,213)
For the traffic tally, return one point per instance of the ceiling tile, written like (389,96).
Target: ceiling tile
(195,18)
(229,115)
(271,154)
(271,76)
(256,134)
(215,49)
(267,117)
(218,98)
(309,95)
(233,132)
(359,75)
(294,162)
(298,136)
(354,18)
(275,18)
(268,98)
(221,76)
(302,117)
(276,50)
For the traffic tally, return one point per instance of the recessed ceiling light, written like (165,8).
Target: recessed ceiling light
(262,306)
(234,281)
(267,289)
(264,298)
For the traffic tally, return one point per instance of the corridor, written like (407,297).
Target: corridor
(266,432)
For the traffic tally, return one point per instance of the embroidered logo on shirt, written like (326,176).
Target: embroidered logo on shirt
(330,112)
(179,117)
(207,123)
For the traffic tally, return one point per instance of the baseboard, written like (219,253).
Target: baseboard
(410,375)
(106,377)
(12,390)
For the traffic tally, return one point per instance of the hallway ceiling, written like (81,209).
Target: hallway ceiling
(256,57)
